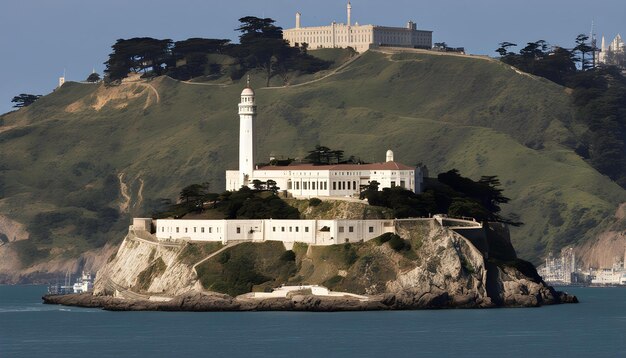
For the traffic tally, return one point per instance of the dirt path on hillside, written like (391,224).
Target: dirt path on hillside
(125,204)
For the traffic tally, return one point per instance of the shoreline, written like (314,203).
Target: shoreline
(216,302)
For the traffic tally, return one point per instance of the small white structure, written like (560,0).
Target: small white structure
(142,224)
(83,284)
(309,180)
(316,290)
(359,37)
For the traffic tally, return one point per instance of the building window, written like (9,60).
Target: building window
(354,185)
(313,186)
(334,185)
(282,228)
(162,229)
(210,229)
(402,183)
(289,185)
(306,229)
(341,229)
(290,229)
(186,230)
(348,185)
(238,230)
(202,230)
(297,229)
(297,185)
(177,229)
(371,229)
(351,229)
(274,229)
(194,229)
(393,183)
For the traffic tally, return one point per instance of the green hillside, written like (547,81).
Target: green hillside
(65,153)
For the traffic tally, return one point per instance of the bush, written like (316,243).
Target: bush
(224,257)
(288,255)
(314,202)
(399,244)
(384,238)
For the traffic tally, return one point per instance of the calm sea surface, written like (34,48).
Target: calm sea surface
(594,328)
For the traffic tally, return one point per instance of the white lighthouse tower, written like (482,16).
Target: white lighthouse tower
(247,115)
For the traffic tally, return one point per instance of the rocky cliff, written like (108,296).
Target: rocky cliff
(427,266)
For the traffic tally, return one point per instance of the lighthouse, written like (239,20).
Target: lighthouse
(247,115)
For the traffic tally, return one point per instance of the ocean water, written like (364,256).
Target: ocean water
(594,328)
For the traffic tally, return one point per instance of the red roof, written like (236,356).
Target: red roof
(372,166)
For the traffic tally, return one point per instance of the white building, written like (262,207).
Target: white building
(359,37)
(313,232)
(615,47)
(308,180)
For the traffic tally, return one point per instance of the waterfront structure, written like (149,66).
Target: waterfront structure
(359,37)
(564,269)
(559,269)
(308,180)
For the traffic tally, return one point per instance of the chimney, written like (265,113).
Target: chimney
(389,155)
(298,15)
(349,12)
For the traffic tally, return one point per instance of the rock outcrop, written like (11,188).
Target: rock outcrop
(430,266)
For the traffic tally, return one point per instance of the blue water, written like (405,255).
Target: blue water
(594,328)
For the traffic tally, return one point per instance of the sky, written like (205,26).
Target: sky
(40,39)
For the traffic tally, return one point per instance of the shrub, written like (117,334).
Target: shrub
(224,257)
(333,282)
(314,202)
(399,244)
(384,238)
(288,255)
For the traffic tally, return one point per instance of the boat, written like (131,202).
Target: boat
(83,284)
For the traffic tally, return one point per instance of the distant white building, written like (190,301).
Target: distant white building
(615,47)
(359,37)
(308,180)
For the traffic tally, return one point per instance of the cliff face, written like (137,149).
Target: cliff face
(143,266)
(432,266)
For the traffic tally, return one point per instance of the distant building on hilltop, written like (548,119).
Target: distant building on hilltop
(614,53)
(359,37)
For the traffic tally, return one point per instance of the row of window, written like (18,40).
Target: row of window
(195,229)
(274,229)
(341,229)
(291,228)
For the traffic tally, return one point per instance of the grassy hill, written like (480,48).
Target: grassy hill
(87,147)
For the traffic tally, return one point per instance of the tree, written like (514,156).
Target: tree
(192,54)
(24,100)
(194,193)
(583,48)
(486,192)
(271,186)
(138,54)
(258,185)
(262,46)
(93,77)
(503,50)
(319,155)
